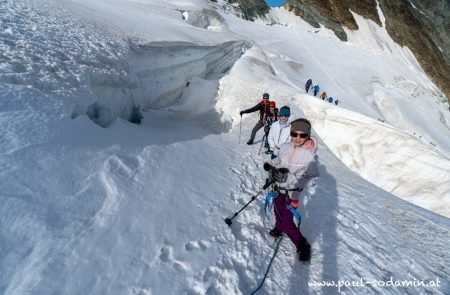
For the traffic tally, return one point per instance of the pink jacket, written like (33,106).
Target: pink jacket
(300,161)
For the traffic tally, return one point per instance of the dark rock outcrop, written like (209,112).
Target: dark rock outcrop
(251,9)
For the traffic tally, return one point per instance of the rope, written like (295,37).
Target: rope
(268,268)
(273,256)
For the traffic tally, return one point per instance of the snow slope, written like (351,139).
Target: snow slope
(138,209)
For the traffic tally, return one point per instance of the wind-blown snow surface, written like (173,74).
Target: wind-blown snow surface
(138,209)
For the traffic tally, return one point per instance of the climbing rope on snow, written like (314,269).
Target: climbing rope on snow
(268,268)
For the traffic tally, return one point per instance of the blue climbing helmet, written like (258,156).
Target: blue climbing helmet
(285,111)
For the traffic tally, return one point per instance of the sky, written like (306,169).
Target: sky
(275,3)
(93,203)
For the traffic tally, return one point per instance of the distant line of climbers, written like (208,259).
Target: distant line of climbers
(316,89)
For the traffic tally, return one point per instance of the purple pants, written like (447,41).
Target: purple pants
(284,219)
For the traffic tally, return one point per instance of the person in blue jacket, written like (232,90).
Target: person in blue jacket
(316,89)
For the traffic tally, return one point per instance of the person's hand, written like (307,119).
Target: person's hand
(294,203)
(280,175)
(283,170)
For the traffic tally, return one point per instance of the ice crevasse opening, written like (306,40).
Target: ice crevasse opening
(155,76)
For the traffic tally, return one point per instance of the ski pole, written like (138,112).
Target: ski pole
(240,127)
(264,137)
(228,220)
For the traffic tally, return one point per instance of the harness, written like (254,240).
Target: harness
(275,192)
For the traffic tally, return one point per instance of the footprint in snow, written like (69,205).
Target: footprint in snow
(180,266)
(196,245)
(140,291)
(236,171)
(167,256)
(165,253)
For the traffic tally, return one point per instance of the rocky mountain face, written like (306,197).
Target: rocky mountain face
(334,14)
(251,9)
(424,27)
(421,25)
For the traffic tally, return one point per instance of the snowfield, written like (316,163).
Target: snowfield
(122,151)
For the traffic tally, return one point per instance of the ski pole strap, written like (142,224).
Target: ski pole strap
(270,196)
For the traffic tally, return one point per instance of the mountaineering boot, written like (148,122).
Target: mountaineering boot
(275,233)
(250,142)
(304,250)
(269,152)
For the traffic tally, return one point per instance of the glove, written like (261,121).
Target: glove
(294,203)
(241,113)
(280,175)
(267,167)
(283,170)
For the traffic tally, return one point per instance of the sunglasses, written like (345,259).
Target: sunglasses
(301,135)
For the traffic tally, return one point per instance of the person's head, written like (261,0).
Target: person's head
(284,113)
(266,97)
(272,106)
(300,131)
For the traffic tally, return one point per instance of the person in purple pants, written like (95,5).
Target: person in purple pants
(283,213)
(291,171)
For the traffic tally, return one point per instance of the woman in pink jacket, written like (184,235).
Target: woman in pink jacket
(291,170)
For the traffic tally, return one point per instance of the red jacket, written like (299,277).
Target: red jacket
(264,110)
